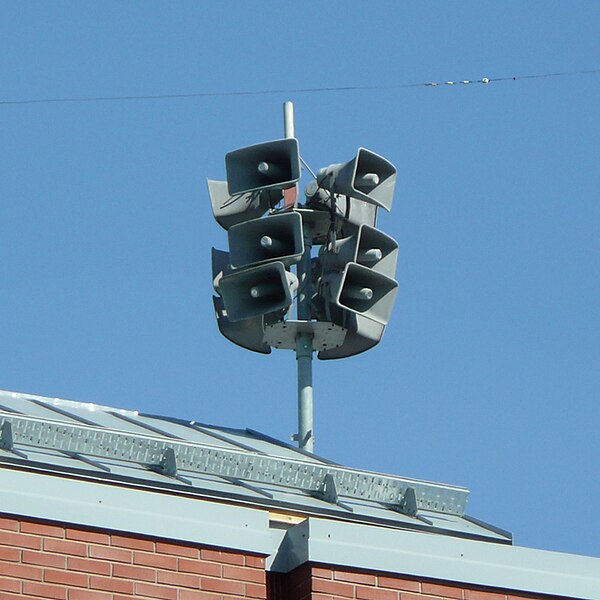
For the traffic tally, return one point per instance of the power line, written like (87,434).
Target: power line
(311,90)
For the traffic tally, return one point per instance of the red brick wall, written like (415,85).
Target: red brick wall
(320,582)
(55,561)
(41,560)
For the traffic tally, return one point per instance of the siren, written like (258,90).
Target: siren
(362,334)
(270,165)
(220,266)
(360,290)
(368,177)
(247,333)
(230,210)
(369,247)
(278,237)
(354,212)
(257,291)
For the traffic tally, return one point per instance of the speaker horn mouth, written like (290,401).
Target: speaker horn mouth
(263,166)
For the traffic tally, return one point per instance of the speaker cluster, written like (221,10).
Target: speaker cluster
(352,277)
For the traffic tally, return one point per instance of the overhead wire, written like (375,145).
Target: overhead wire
(307,90)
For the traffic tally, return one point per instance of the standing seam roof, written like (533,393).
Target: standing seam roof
(134,449)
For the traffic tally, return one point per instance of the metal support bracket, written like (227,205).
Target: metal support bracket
(408,504)
(168,466)
(328,491)
(284,335)
(6,439)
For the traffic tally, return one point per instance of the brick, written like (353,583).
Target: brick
(20,596)
(42,529)
(132,543)
(321,573)
(66,578)
(483,595)
(375,593)
(88,595)
(134,573)
(160,561)
(437,589)
(155,591)
(21,571)
(333,587)
(200,567)
(44,591)
(10,585)
(9,524)
(177,550)
(223,586)
(88,566)
(10,554)
(31,557)
(64,547)
(8,538)
(109,584)
(256,562)
(93,537)
(411,596)
(349,576)
(109,553)
(229,558)
(397,583)
(195,595)
(179,579)
(243,574)
(256,591)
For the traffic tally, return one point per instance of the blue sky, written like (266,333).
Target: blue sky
(487,376)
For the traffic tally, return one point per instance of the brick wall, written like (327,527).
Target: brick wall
(55,561)
(42,560)
(321,582)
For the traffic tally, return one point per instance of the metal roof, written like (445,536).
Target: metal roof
(131,449)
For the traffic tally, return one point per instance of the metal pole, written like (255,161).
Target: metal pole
(304,342)
(288,120)
(304,351)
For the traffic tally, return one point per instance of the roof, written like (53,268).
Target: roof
(131,449)
(122,470)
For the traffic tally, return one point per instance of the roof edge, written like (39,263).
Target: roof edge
(440,557)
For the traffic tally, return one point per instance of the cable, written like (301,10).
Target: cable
(350,88)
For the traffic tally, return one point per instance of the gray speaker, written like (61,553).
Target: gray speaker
(220,266)
(257,291)
(278,237)
(247,333)
(263,166)
(362,335)
(369,247)
(361,290)
(368,177)
(354,212)
(230,210)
